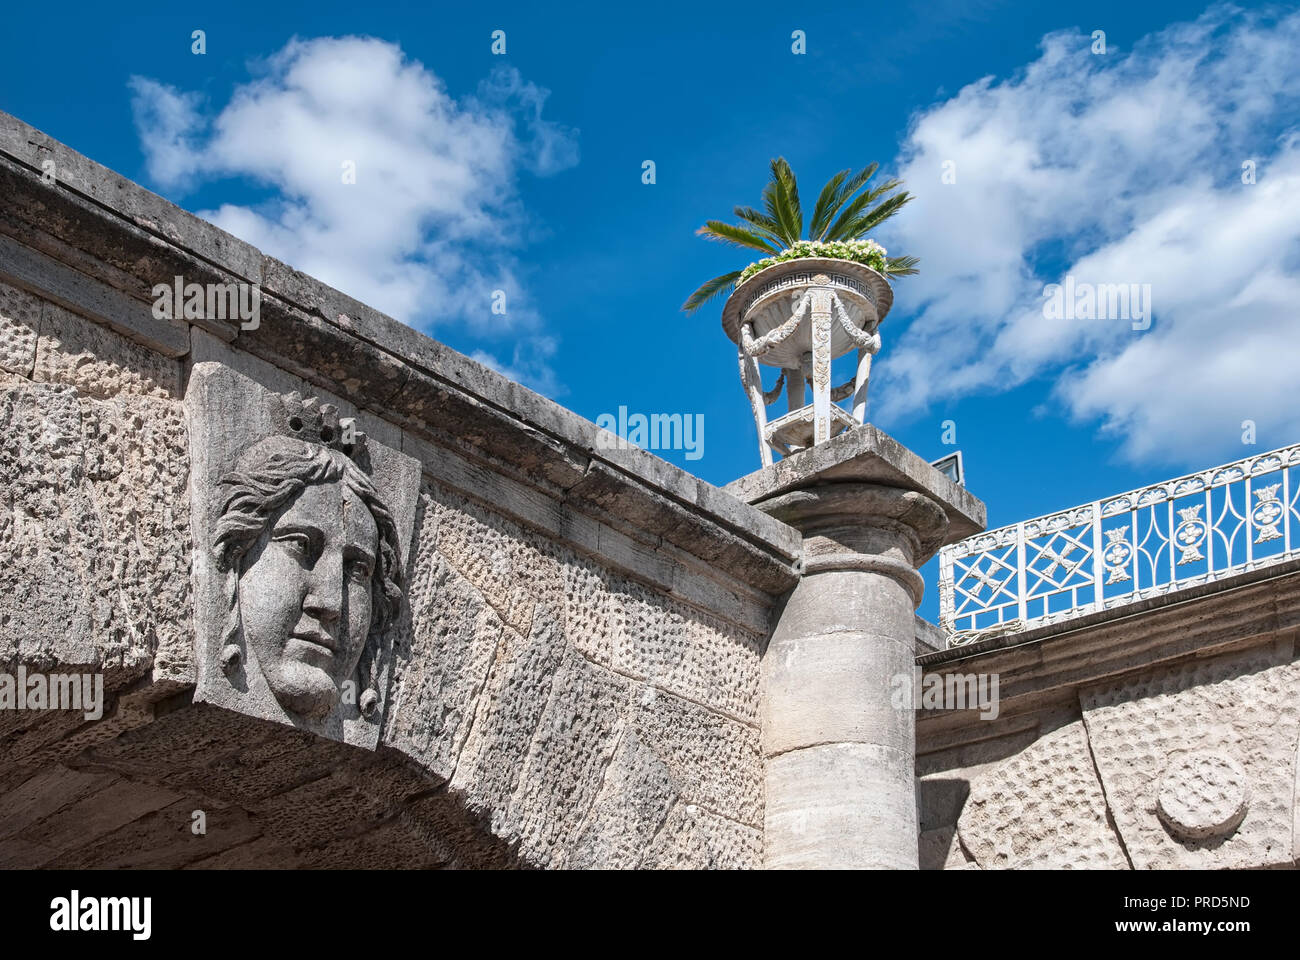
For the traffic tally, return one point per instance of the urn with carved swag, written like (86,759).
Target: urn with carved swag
(800,315)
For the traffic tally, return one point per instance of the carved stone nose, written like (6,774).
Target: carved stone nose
(324,601)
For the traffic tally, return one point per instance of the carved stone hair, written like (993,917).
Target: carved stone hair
(268,478)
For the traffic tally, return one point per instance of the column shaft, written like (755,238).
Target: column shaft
(839,752)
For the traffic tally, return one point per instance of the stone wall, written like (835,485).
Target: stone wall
(1159,737)
(94,534)
(574,676)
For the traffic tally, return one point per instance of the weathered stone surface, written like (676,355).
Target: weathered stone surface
(56,282)
(1203,795)
(857,708)
(96,557)
(1051,793)
(508,715)
(507,565)
(80,175)
(610,679)
(840,805)
(98,814)
(693,838)
(636,794)
(100,363)
(164,839)
(442,668)
(715,761)
(940,849)
(48,791)
(20,318)
(1202,741)
(685,651)
(271,797)
(571,748)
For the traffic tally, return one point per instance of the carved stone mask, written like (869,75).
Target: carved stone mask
(305,596)
(310,552)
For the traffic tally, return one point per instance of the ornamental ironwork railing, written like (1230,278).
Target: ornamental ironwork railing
(1154,540)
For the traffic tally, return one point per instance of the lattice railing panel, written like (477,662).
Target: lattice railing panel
(1149,541)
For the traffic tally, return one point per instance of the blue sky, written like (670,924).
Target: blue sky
(523,172)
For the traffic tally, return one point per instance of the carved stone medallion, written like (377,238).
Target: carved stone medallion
(1203,795)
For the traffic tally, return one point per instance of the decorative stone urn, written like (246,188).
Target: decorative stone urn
(799,315)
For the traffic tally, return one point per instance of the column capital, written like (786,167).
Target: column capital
(862,455)
(820,509)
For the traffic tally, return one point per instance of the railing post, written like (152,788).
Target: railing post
(1098,562)
(1250,540)
(947,599)
(1173,541)
(1022,579)
(1286,509)
(1209,532)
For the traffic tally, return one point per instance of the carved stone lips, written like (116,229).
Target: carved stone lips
(316,638)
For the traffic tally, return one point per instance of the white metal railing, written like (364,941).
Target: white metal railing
(1150,541)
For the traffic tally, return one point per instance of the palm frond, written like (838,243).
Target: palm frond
(709,290)
(853,223)
(901,266)
(841,195)
(760,221)
(859,180)
(736,236)
(771,205)
(822,211)
(841,213)
(786,194)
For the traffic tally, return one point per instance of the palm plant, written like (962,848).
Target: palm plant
(839,217)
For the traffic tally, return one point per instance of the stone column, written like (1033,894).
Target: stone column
(839,754)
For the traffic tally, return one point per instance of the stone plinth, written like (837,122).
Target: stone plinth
(839,745)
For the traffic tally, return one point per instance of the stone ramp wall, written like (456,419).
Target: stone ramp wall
(575,672)
(1163,739)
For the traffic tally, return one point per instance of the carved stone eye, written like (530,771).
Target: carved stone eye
(295,424)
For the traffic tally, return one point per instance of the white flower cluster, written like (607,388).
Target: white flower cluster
(839,249)
(866,252)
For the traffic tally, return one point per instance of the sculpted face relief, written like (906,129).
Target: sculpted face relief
(305,596)
(310,552)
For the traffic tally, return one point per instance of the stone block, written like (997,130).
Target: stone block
(1051,794)
(1199,761)
(280,562)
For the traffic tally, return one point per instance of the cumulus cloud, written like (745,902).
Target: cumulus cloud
(429,228)
(1116,168)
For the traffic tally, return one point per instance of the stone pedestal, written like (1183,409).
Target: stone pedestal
(838,744)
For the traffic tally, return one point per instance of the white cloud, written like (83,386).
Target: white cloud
(430,227)
(1127,169)
(529,363)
